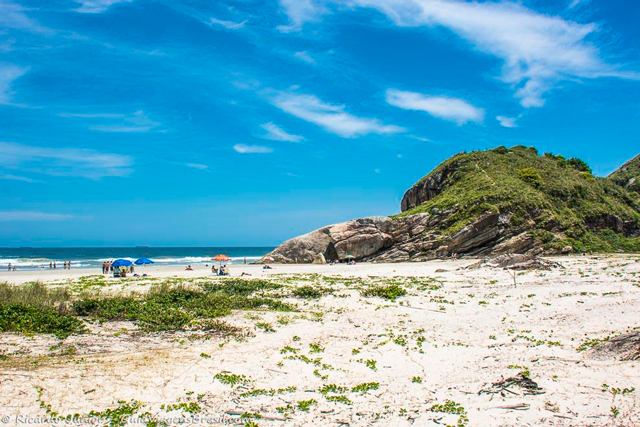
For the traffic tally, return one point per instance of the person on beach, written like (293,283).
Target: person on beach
(50,265)
(9,266)
(245,260)
(54,265)
(64,265)
(69,264)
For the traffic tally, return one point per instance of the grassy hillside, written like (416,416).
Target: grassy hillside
(558,200)
(628,175)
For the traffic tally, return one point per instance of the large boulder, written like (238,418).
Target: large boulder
(360,238)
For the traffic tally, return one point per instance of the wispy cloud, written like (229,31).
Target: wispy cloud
(12,177)
(197,166)
(538,50)
(32,216)
(97,6)
(301,11)
(107,122)
(9,73)
(64,161)
(331,118)
(304,56)
(229,25)
(443,107)
(508,122)
(276,133)
(13,16)
(575,3)
(252,149)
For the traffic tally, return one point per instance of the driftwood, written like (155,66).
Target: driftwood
(523,382)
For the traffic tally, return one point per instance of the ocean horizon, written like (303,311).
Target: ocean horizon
(28,258)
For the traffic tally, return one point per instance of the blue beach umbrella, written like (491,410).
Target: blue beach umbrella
(121,263)
(143,261)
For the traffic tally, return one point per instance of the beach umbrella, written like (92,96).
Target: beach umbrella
(268,258)
(121,263)
(221,258)
(143,261)
(349,256)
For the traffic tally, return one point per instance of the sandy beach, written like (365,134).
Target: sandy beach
(438,355)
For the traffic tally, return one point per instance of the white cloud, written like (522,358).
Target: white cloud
(12,177)
(229,25)
(9,73)
(443,107)
(12,16)
(419,138)
(575,3)
(508,122)
(64,161)
(32,216)
(197,166)
(331,118)
(301,11)
(97,6)
(252,149)
(107,122)
(538,50)
(276,133)
(304,56)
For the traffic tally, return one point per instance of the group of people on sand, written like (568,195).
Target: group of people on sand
(53,265)
(222,271)
(107,267)
(12,267)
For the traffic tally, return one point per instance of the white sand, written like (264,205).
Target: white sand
(474,328)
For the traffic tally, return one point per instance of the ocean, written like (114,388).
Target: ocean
(39,258)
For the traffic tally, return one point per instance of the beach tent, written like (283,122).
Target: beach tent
(121,263)
(143,261)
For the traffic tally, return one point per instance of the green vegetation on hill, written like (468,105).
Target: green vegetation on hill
(557,200)
(628,175)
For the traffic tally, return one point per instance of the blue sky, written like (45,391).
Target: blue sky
(247,122)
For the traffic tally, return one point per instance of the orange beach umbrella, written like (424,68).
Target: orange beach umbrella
(221,257)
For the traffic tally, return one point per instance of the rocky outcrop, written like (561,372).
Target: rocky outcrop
(428,187)
(628,175)
(410,238)
(516,262)
(501,201)
(624,347)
